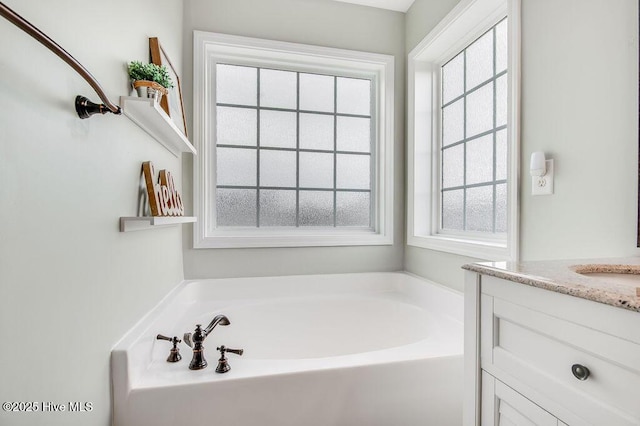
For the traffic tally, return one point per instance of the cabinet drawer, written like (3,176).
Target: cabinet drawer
(501,406)
(538,350)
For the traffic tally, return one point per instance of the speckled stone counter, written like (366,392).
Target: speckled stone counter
(563,276)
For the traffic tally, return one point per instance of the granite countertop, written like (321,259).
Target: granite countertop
(562,276)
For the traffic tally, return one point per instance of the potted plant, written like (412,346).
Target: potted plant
(150,80)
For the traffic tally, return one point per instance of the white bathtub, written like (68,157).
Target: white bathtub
(323,350)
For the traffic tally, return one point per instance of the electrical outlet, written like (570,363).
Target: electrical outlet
(543,185)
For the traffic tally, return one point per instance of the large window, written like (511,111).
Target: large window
(295,144)
(474,136)
(293,149)
(463,133)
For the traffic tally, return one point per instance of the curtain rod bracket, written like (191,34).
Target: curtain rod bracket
(85,108)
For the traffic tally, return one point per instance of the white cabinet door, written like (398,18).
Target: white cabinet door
(502,406)
(535,346)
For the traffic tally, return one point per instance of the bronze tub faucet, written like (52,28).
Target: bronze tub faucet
(196,339)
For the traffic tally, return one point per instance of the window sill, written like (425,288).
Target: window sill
(485,250)
(249,238)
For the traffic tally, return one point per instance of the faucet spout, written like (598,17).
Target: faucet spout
(217,320)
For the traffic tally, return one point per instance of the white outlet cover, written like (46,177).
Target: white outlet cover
(543,185)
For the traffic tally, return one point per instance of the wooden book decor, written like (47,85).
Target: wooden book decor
(164,199)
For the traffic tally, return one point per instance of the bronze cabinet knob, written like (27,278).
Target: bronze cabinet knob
(580,372)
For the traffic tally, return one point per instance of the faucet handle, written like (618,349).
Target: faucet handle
(170,339)
(223,365)
(187,339)
(233,351)
(174,354)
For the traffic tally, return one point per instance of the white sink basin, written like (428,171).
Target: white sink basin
(628,275)
(631,279)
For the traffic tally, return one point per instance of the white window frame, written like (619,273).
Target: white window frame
(212,48)
(464,24)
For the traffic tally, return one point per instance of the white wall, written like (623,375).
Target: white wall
(422,16)
(322,23)
(580,105)
(70,284)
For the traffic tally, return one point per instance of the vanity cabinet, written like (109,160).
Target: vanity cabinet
(538,357)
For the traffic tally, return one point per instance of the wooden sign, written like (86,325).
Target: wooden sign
(164,199)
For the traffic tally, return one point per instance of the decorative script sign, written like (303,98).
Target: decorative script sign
(164,199)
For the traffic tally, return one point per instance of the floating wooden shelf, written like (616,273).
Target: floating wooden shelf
(138,223)
(150,116)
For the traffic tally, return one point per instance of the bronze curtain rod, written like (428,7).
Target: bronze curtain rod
(84,107)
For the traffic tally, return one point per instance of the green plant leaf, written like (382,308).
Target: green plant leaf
(150,72)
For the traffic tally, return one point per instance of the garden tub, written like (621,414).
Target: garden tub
(347,349)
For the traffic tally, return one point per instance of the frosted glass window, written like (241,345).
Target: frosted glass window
(316,131)
(236,85)
(479,116)
(501,101)
(316,92)
(278,168)
(277,207)
(278,129)
(287,152)
(453,123)
(236,126)
(501,46)
(353,171)
(236,207)
(316,208)
(479,162)
(354,96)
(480,60)
(453,79)
(479,209)
(501,208)
(453,209)
(474,136)
(278,89)
(353,209)
(353,134)
(453,166)
(501,155)
(236,166)
(316,170)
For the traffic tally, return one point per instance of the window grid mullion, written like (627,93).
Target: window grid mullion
(461,141)
(321,151)
(258,149)
(474,185)
(495,121)
(335,149)
(303,111)
(464,134)
(291,188)
(477,87)
(297,149)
